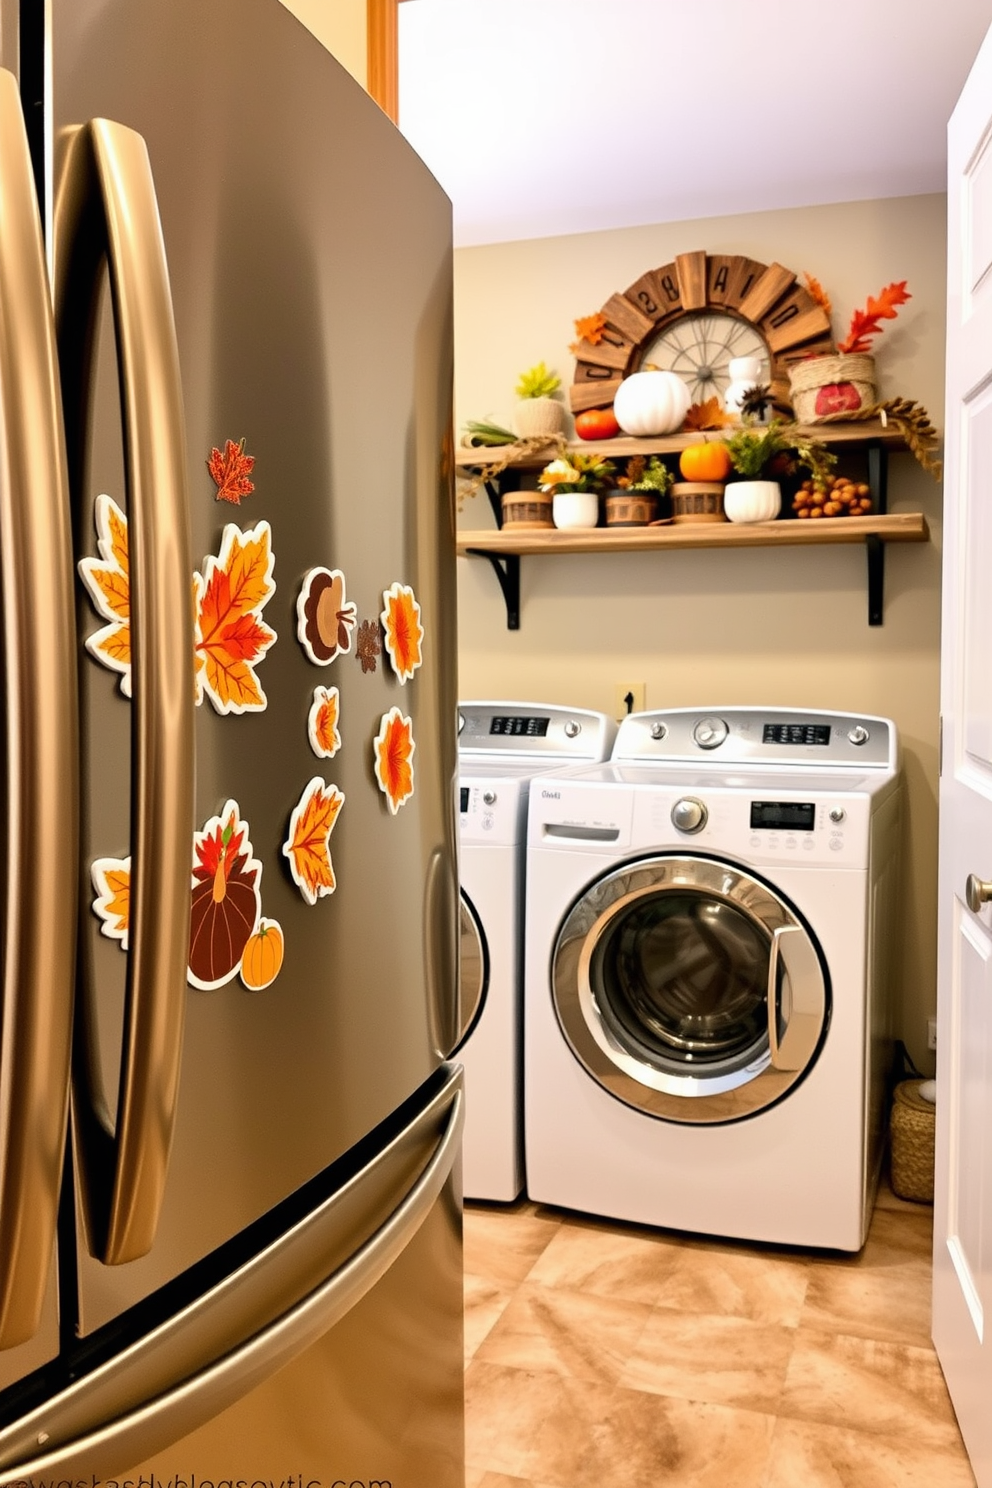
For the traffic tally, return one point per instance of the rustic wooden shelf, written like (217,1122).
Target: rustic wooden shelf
(504,547)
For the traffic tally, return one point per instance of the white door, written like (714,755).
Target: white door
(962,1304)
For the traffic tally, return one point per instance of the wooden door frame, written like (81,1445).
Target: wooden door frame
(382,26)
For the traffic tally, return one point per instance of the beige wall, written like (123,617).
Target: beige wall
(341,26)
(755,626)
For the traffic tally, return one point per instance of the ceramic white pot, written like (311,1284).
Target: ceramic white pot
(752,500)
(575,509)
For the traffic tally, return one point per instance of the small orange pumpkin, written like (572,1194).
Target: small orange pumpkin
(707,461)
(262,960)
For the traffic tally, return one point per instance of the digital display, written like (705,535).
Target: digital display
(464,795)
(784,816)
(519,726)
(796,733)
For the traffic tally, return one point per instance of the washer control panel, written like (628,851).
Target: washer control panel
(756,737)
(541,732)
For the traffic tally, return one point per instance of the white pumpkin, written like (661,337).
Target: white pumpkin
(651,403)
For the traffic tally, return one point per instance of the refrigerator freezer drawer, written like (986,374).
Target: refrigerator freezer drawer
(265,1313)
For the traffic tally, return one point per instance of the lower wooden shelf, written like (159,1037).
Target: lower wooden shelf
(504,547)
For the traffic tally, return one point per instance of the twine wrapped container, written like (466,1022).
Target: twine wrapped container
(537,417)
(913,1126)
(630,508)
(831,385)
(698,501)
(532,509)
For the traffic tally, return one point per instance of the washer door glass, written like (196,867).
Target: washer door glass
(473,962)
(689,989)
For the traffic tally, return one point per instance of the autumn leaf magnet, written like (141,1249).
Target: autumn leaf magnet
(107,580)
(394,747)
(404,633)
(322,722)
(308,844)
(112,882)
(226,902)
(231,470)
(231,638)
(324,618)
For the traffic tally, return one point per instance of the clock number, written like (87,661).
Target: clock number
(671,288)
(784,316)
(721,280)
(647,303)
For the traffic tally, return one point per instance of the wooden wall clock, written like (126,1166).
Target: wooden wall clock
(692,316)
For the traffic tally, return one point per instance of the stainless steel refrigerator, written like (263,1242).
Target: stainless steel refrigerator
(230,1243)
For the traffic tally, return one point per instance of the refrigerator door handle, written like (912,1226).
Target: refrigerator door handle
(106,209)
(87,1435)
(41,746)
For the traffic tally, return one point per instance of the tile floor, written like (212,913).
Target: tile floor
(609,1356)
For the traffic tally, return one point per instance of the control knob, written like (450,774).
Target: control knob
(489,797)
(572,729)
(710,733)
(689,814)
(658,729)
(859,734)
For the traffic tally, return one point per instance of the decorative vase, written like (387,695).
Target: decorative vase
(575,509)
(830,385)
(745,373)
(539,417)
(527,509)
(752,500)
(698,501)
(630,508)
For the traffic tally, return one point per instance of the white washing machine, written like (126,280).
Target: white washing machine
(501,745)
(710,918)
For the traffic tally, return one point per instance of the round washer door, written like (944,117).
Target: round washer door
(473,969)
(689,989)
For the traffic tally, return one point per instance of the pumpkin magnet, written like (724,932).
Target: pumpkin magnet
(308,844)
(262,960)
(404,633)
(230,636)
(108,582)
(112,882)
(226,901)
(394,747)
(322,722)
(324,618)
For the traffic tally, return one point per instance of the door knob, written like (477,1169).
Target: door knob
(977,892)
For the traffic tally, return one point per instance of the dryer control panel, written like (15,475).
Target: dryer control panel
(758,736)
(534,731)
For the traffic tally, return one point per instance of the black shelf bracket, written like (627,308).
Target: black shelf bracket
(878,485)
(506,567)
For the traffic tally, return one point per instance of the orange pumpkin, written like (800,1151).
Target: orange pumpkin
(708,461)
(262,960)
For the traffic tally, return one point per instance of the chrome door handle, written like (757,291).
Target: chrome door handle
(41,749)
(977,892)
(106,207)
(792,947)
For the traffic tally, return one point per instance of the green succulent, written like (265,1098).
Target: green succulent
(654,476)
(537,382)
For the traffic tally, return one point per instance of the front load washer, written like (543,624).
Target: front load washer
(710,919)
(501,745)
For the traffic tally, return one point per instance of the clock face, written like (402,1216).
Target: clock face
(700,348)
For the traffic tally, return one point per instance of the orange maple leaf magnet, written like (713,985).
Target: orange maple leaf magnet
(112,882)
(308,845)
(108,583)
(230,471)
(394,747)
(322,722)
(231,638)
(404,632)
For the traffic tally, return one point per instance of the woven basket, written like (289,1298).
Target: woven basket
(831,384)
(537,417)
(913,1124)
(527,509)
(698,501)
(631,508)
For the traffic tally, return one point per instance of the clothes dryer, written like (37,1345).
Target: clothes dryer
(710,923)
(501,745)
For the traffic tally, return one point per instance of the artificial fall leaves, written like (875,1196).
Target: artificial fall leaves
(108,580)
(868,322)
(230,472)
(710,414)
